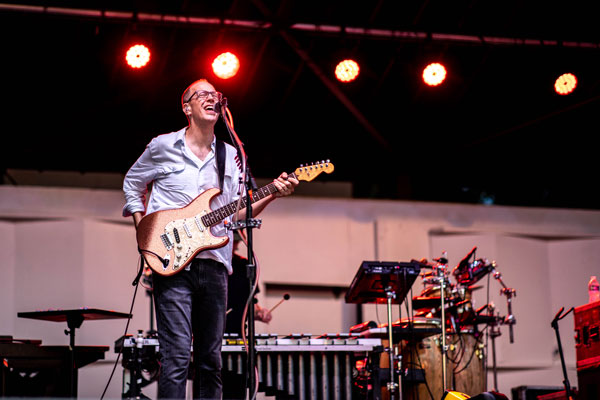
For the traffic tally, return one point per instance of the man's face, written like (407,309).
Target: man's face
(202,102)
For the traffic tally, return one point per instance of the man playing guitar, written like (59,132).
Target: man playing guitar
(191,303)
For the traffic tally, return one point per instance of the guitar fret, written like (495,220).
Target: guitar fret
(219,214)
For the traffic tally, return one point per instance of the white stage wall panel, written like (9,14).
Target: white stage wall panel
(7,282)
(70,248)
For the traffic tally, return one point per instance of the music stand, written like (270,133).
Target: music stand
(379,281)
(74,318)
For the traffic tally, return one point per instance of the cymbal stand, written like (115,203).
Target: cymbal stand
(74,321)
(442,263)
(509,293)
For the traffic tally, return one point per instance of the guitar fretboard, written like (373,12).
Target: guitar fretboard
(216,216)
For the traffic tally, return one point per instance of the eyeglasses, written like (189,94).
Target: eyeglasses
(203,95)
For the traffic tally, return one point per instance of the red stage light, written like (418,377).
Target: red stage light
(226,65)
(565,84)
(434,74)
(347,70)
(137,56)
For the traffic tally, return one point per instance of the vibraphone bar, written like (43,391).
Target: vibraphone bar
(301,366)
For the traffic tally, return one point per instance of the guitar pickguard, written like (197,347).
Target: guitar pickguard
(188,236)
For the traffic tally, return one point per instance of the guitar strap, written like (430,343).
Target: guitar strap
(220,156)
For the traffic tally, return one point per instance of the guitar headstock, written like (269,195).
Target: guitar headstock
(310,172)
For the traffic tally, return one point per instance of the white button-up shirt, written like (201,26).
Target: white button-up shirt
(177,178)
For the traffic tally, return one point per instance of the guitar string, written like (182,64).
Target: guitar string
(219,214)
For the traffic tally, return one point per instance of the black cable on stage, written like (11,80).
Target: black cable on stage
(470,358)
(136,284)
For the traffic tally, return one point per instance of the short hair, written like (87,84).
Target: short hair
(186,92)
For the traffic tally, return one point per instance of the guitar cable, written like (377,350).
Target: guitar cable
(135,283)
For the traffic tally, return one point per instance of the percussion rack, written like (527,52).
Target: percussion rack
(378,281)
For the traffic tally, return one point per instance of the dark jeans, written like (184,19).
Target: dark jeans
(191,304)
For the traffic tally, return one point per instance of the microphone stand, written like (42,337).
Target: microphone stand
(249,223)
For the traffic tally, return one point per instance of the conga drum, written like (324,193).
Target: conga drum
(466,369)
(465,364)
(421,328)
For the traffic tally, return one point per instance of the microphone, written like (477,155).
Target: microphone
(285,297)
(221,104)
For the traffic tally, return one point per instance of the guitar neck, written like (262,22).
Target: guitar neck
(216,216)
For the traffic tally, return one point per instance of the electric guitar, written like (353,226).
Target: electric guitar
(170,239)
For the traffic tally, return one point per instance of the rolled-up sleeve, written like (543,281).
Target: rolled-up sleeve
(135,185)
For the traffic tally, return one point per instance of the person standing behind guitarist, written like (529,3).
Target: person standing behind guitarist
(191,303)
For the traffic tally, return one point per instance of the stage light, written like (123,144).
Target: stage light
(347,70)
(226,65)
(434,74)
(565,84)
(137,56)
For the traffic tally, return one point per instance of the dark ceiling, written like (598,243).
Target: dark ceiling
(494,131)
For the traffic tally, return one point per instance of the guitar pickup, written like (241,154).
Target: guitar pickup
(199,224)
(187,230)
(166,241)
(176,234)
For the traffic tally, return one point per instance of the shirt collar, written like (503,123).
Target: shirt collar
(180,136)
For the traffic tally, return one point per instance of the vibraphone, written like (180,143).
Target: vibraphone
(297,366)
(302,366)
